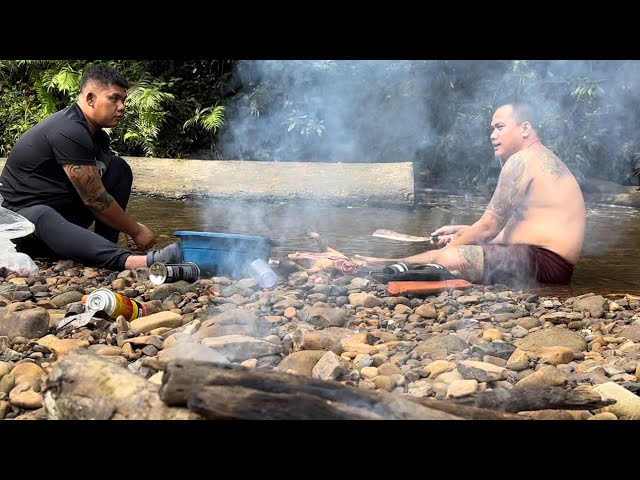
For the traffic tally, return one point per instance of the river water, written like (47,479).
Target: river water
(610,264)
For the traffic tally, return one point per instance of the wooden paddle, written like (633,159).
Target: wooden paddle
(402,237)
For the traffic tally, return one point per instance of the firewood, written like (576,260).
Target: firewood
(527,399)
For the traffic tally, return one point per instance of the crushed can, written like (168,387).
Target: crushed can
(160,273)
(114,304)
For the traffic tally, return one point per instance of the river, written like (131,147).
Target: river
(609,264)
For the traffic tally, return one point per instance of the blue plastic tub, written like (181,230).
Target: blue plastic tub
(223,254)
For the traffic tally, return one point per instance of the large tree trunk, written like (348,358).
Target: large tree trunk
(86,386)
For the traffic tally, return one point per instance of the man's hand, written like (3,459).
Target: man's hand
(144,237)
(448,232)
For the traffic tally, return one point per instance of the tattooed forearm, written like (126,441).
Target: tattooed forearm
(510,183)
(471,262)
(86,180)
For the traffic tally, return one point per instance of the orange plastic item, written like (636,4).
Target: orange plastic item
(426,288)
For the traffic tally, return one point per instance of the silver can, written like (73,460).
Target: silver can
(101,300)
(160,273)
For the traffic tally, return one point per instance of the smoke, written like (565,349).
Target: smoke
(331,111)
(435,113)
(432,112)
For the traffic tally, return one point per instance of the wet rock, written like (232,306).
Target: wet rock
(550,337)
(18,293)
(191,351)
(163,291)
(547,376)
(495,349)
(317,340)
(239,347)
(323,316)
(364,299)
(480,371)
(31,323)
(301,362)
(595,305)
(450,343)
(632,332)
(162,319)
(329,367)
(461,388)
(66,298)
(627,406)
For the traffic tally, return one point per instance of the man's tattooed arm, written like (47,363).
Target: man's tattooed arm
(509,193)
(87,181)
(512,186)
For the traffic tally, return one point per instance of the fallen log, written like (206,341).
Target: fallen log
(467,412)
(227,391)
(528,399)
(85,386)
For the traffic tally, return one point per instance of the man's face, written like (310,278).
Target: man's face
(506,135)
(108,105)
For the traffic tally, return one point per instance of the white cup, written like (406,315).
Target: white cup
(262,273)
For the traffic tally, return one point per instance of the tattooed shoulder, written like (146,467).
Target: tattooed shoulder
(513,170)
(552,165)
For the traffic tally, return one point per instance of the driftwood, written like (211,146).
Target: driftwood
(467,412)
(85,386)
(528,399)
(226,391)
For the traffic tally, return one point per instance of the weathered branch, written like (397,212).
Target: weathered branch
(230,391)
(527,399)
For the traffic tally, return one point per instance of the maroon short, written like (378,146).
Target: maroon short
(524,265)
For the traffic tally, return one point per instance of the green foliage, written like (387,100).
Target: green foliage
(146,106)
(163,96)
(589,110)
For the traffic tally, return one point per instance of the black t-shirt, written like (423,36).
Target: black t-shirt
(33,173)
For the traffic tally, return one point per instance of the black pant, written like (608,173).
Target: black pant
(61,227)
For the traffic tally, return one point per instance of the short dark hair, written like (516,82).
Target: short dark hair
(104,75)
(525,112)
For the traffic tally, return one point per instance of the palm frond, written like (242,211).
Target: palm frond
(258,100)
(144,96)
(214,119)
(46,98)
(67,81)
(209,118)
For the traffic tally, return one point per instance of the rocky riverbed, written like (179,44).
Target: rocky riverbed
(345,329)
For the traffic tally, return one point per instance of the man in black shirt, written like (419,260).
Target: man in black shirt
(62,176)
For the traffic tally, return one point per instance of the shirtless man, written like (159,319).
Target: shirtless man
(533,227)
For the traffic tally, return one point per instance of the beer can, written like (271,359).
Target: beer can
(160,273)
(114,304)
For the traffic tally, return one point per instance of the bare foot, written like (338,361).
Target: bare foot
(377,259)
